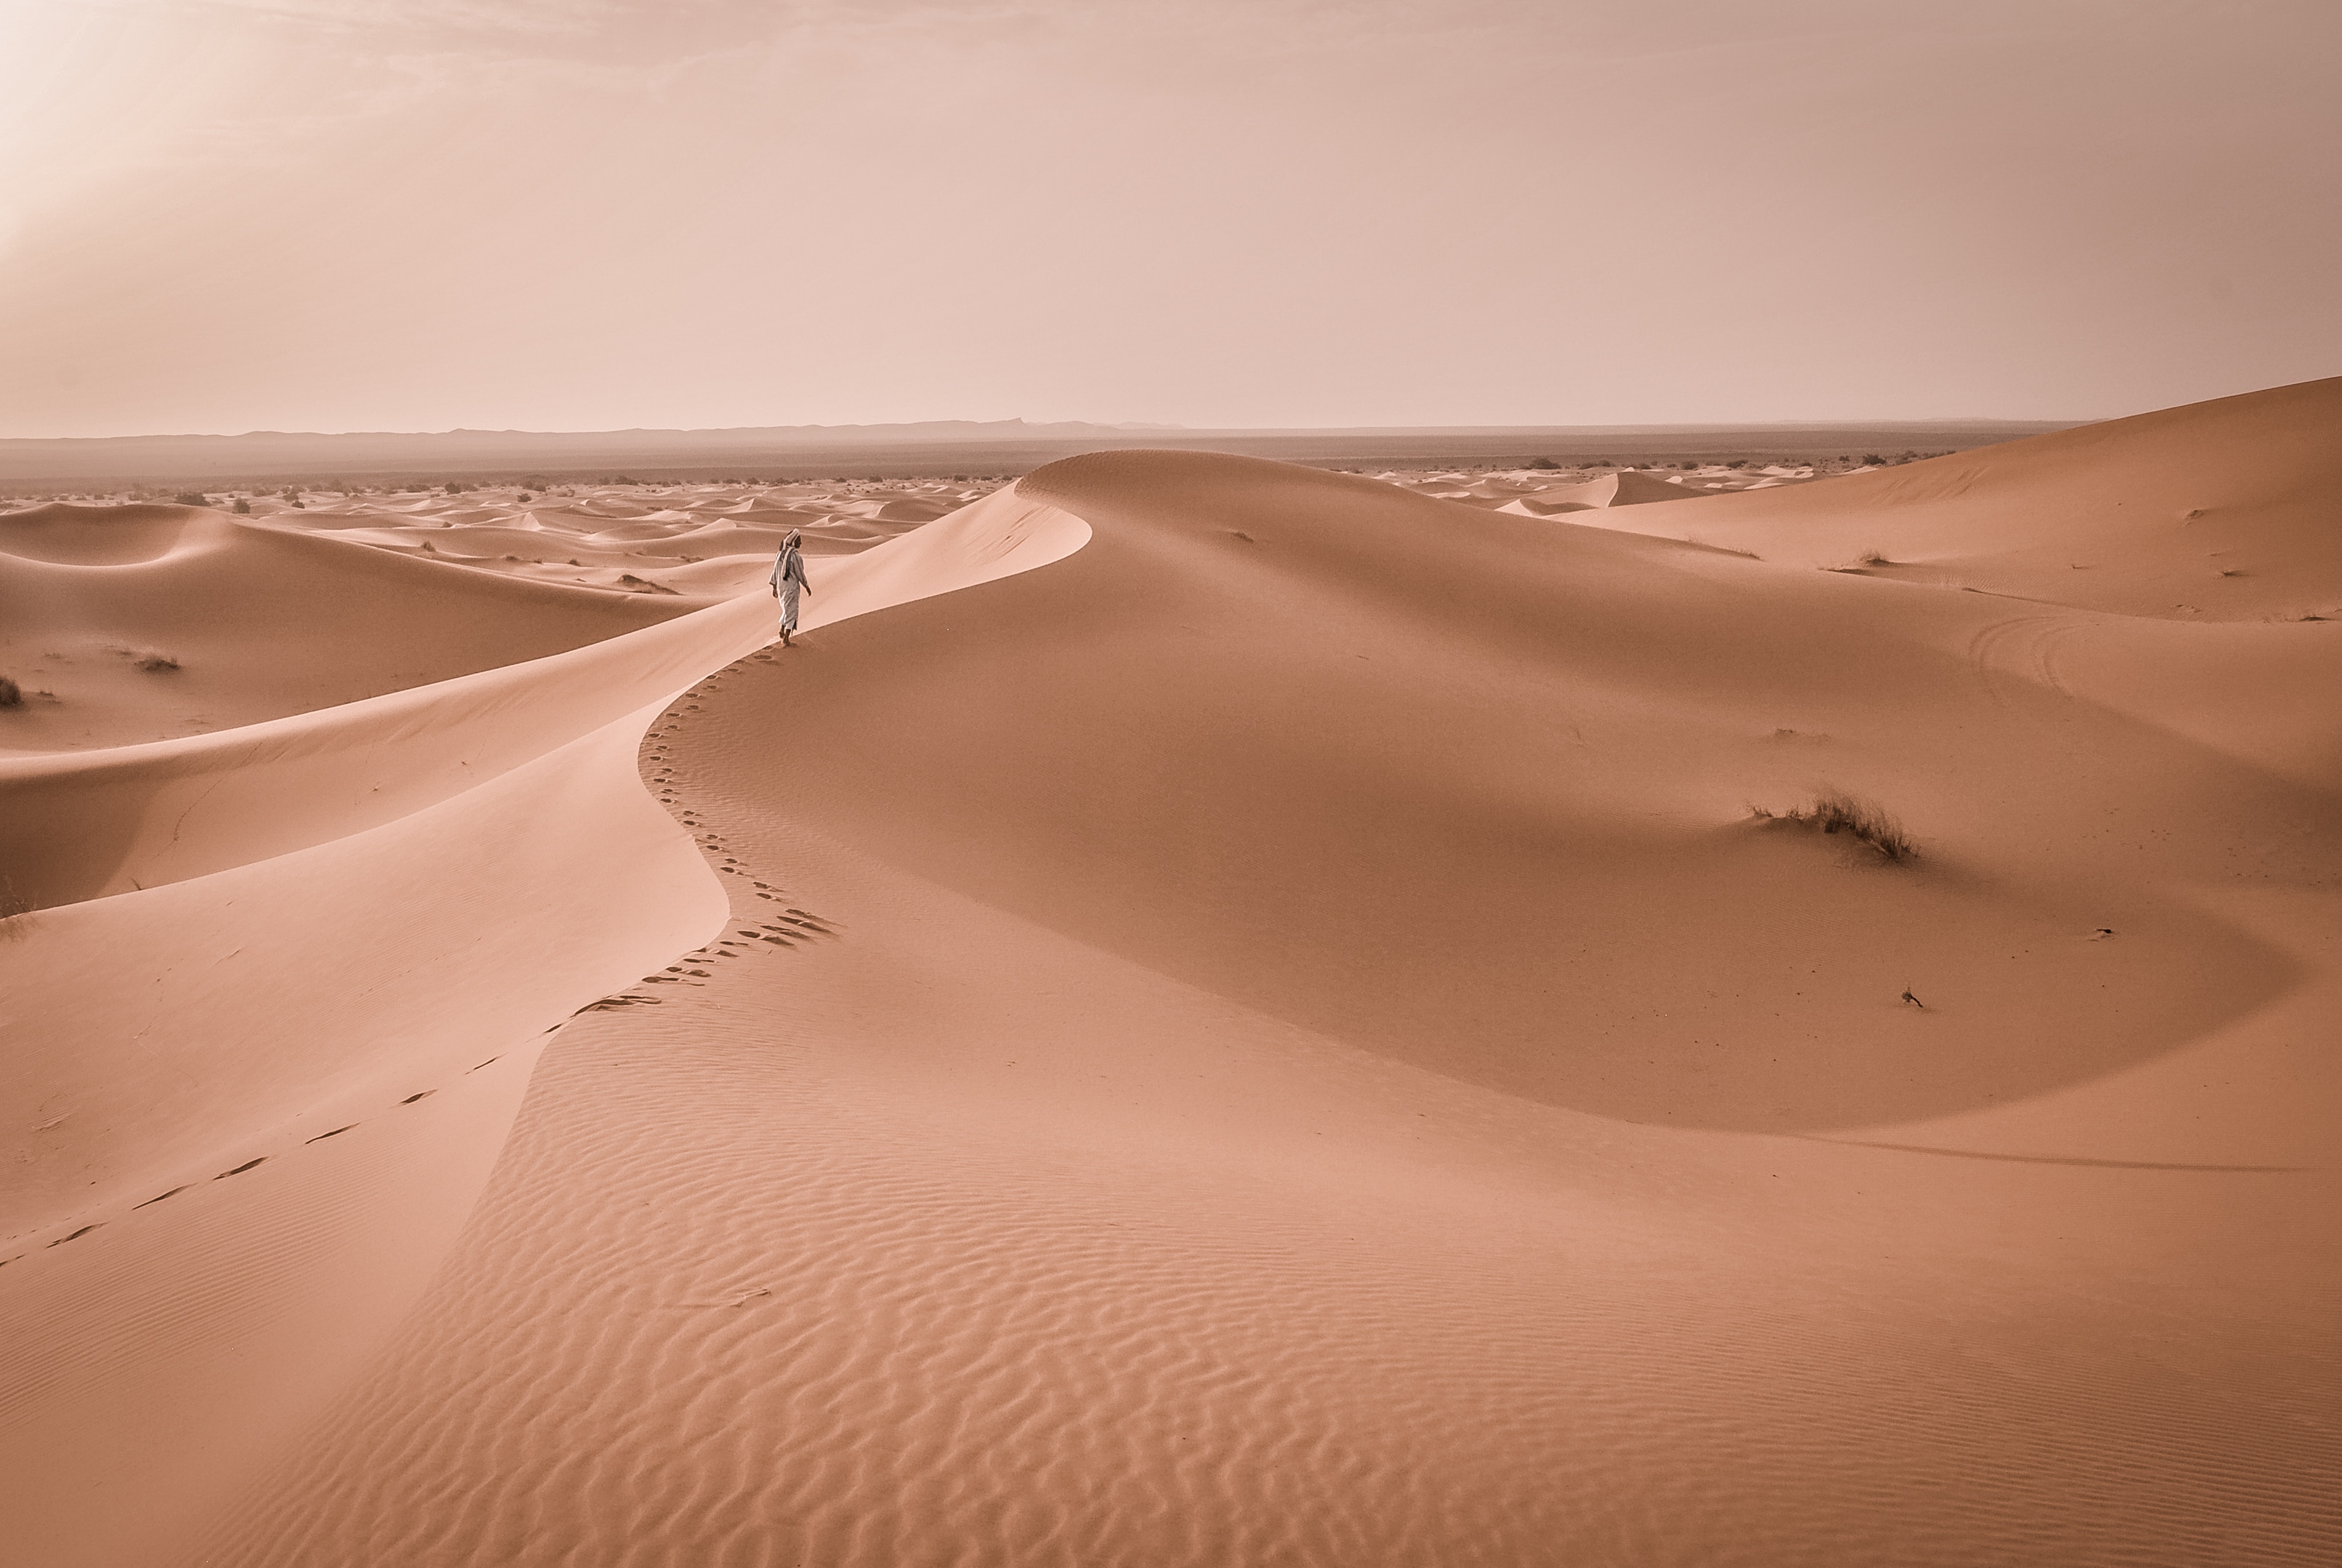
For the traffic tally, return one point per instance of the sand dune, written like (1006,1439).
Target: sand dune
(341,916)
(1226,1013)
(1629,487)
(242,623)
(2219,511)
(690,540)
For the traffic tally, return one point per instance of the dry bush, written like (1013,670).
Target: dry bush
(12,695)
(1836,810)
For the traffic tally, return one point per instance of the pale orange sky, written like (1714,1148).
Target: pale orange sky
(335,214)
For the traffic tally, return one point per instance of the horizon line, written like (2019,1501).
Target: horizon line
(1129,427)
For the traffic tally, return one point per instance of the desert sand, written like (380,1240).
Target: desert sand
(1208,1013)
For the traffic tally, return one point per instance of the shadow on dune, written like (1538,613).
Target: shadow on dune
(1459,788)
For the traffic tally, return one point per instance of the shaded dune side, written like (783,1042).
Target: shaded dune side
(221,1187)
(2225,510)
(1470,789)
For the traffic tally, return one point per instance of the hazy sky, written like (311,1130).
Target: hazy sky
(337,215)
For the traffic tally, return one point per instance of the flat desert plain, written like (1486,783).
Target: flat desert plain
(1206,1012)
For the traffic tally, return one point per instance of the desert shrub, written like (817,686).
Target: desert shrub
(153,661)
(242,508)
(1541,463)
(1836,810)
(1872,558)
(12,695)
(189,498)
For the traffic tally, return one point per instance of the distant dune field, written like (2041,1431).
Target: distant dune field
(1208,1013)
(933,450)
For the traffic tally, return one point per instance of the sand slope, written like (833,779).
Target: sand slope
(236,1158)
(2218,511)
(238,622)
(1274,1039)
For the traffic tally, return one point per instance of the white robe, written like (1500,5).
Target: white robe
(788,578)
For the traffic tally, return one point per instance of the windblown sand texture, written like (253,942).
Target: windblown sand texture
(1208,1012)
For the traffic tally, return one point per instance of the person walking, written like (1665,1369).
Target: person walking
(789,581)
